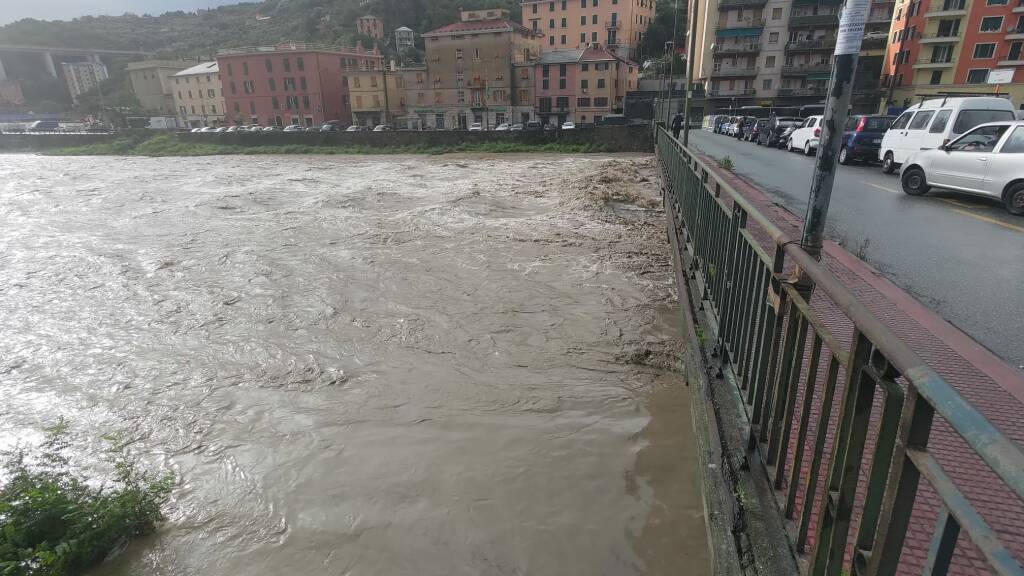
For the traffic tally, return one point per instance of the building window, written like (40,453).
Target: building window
(300,64)
(583,3)
(561,83)
(769,61)
(373,81)
(562,102)
(551,23)
(252,107)
(179,95)
(766,84)
(982,51)
(564,23)
(461,97)
(193,109)
(183,111)
(563,38)
(593,19)
(544,84)
(289,83)
(773,37)
(991,23)
(305,102)
(458,54)
(1015,49)
(583,20)
(210,93)
(268,64)
(274,103)
(245,68)
(238,109)
(584,84)
(936,77)
(272,83)
(601,102)
(287,65)
(233,89)
(533,9)
(583,39)
(565,4)
(229,70)
(977,76)
(600,83)
(776,13)
(213,109)
(176,80)
(593,36)
(583,102)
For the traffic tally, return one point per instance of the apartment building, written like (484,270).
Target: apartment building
(153,85)
(81,77)
(199,96)
(470,66)
(582,85)
(291,83)
(575,24)
(951,46)
(779,52)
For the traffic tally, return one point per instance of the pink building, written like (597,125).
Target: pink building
(583,85)
(291,83)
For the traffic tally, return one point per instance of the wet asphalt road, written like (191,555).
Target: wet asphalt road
(961,256)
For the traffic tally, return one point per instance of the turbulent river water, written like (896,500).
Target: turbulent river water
(360,365)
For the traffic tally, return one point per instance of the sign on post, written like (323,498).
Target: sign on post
(851,26)
(1000,76)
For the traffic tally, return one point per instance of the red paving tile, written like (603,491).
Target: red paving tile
(993,387)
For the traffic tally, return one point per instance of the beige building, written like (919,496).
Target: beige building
(198,96)
(371,91)
(582,86)
(619,25)
(152,84)
(779,52)
(470,66)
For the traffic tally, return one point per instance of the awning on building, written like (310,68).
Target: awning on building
(738,32)
(819,76)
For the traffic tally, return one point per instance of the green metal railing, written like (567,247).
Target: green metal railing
(741,271)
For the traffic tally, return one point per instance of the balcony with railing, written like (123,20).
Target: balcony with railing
(805,69)
(818,20)
(874,42)
(729,4)
(935,62)
(802,91)
(939,38)
(744,24)
(612,24)
(1016,33)
(1012,60)
(827,43)
(741,93)
(880,17)
(734,72)
(947,8)
(1018,8)
(741,48)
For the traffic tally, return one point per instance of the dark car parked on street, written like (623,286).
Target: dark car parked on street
(863,137)
(777,125)
(746,124)
(759,126)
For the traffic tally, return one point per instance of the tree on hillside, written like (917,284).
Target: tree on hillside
(660,29)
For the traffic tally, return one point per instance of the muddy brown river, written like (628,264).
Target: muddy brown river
(422,365)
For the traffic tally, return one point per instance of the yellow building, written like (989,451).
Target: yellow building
(152,84)
(198,96)
(619,25)
(371,92)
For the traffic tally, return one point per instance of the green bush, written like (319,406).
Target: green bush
(53,521)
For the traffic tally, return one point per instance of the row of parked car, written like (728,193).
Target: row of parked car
(533,125)
(970,144)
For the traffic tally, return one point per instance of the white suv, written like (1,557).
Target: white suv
(806,136)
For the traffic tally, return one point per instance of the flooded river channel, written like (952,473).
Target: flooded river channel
(432,365)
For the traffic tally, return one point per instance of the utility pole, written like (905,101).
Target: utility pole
(690,52)
(840,88)
(387,108)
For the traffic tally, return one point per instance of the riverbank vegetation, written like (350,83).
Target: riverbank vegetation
(56,521)
(170,145)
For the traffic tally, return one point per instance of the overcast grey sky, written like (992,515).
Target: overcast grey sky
(11,10)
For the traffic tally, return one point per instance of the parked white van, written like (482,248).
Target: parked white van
(932,123)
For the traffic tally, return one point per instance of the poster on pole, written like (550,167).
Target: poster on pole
(851,26)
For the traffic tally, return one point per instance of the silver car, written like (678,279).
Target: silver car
(987,161)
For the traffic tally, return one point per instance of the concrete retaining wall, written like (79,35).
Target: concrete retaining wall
(635,138)
(614,138)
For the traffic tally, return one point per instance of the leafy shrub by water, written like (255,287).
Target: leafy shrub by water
(54,521)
